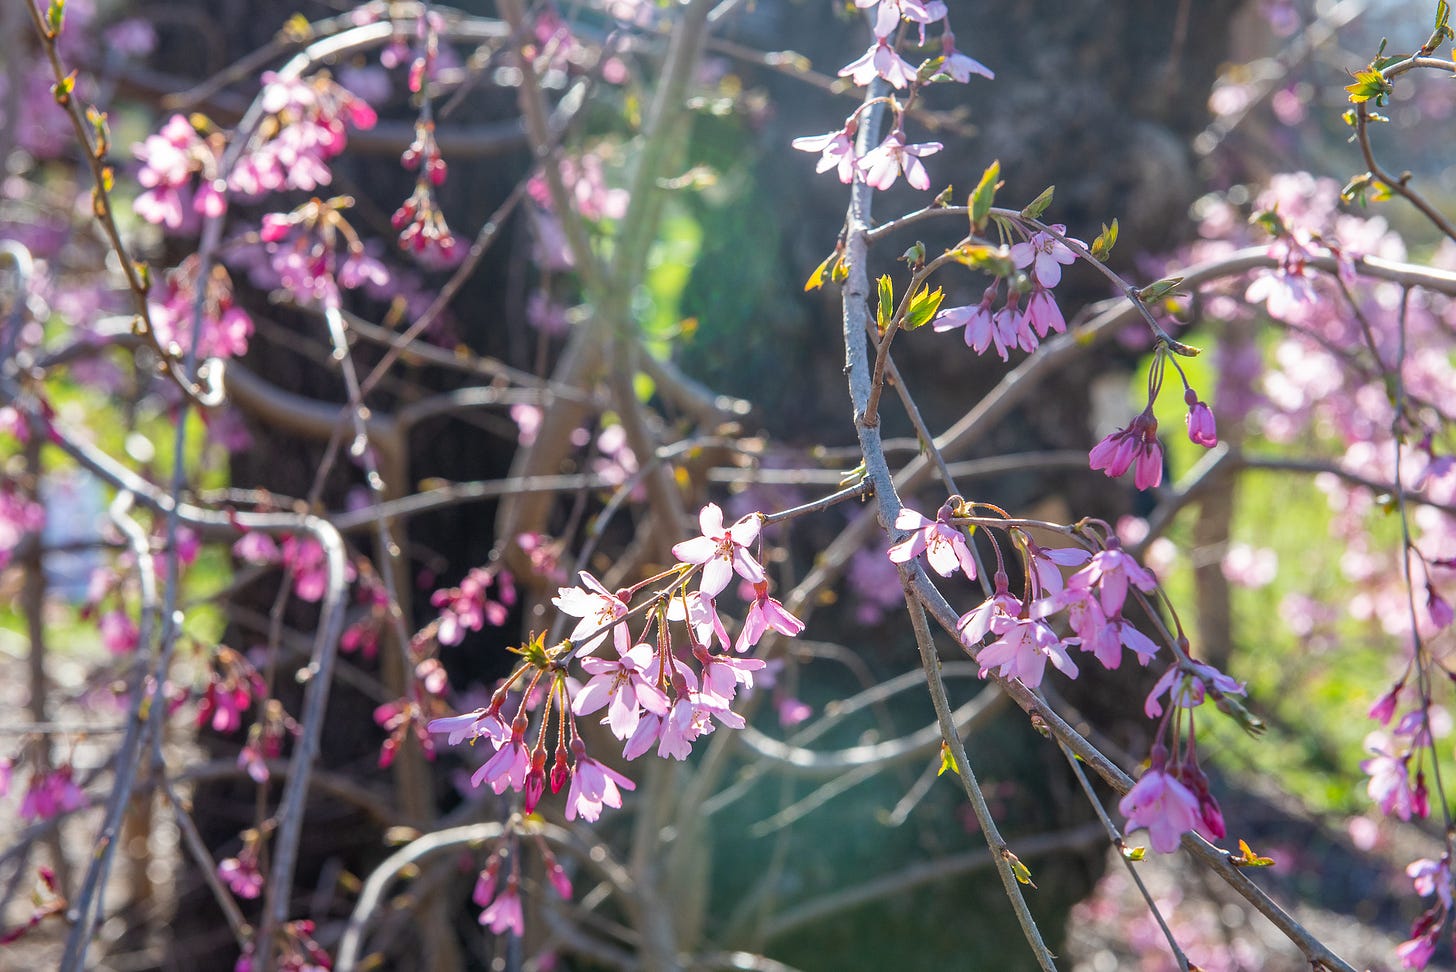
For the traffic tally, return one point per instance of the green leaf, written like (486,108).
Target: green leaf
(537,654)
(887,302)
(995,260)
(1134,853)
(1368,84)
(944,198)
(984,195)
(1039,205)
(915,255)
(1443,22)
(1021,872)
(1159,289)
(1247,857)
(947,762)
(1102,246)
(55,16)
(824,271)
(63,88)
(923,307)
(929,69)
(1269,220)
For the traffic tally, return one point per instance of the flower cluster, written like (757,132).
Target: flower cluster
(670,676)
(895,155)
(1034,267)
(1014,636)
(501,910)
(300,255)
(308,121)
(51,793)
(233,684)
(226,327)
(169,160)
(468,608)
(1136,446)
(303,556)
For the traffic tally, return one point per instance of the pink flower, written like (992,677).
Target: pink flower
(944,544)
(1138,442)
(881,60)
(1110,572)
(1384,708)
(978,321)
(1438,608)
(884,163)
(1043,314)
(1046,254)
(721,551)
(722,674)
(473,725)
(624,687)
(1047,564)
(508,768)
(598,608)
(837,150)
(1431,877)
(50,794)
(504,913)
(1167,808)
(1187,684)
(241,874)
(1022,651)
(466,608)
(18,516)
(119,633)
(1390,784)
(1416,953)
(305,556)
(792,711)
(1201,427)
(765,613)
(593,786)
(958,65)
(996,613)
(701,614)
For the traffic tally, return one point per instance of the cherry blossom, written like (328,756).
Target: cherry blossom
(1167,808)
(597,608)
(765,613)
(1046,254)
(882,164)
(977,320)
(943,543)
(958,65)
(1023,650)
(624,687)
(504,913)
(473,725)
(593,785)
(880,60)
(1201,427)
(722,552)
(1138,443)
(1186,686)
(1390,783)
(837,151)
